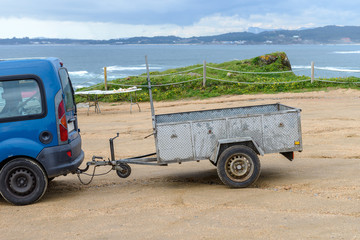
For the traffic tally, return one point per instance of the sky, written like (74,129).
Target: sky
(112,19)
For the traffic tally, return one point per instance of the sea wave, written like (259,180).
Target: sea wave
(84,84)
(338,69)
(84,75)
(130,68)
(80,86)
(347,52)
(112,77)
(79,73)
(334,69)
(300,67)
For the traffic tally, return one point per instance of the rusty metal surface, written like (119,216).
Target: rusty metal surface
(194,135)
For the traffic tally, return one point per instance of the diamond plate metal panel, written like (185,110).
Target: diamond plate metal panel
(246,127)
(174,142)
(217,113)
(206,135)
(280,132)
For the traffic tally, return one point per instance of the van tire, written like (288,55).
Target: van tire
(22,181)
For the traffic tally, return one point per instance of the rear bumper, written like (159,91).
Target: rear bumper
(56,161)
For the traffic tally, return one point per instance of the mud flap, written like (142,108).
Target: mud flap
(288,155)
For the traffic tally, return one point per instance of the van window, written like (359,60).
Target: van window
(20,98)
(67,88)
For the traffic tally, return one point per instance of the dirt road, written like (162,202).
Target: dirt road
(317,196)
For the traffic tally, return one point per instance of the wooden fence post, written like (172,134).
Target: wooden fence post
(105,78)
(204,73)
(312,72)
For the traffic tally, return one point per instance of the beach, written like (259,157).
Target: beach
(316,196)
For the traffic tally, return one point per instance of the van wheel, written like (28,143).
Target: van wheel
(238,166)
(22,181)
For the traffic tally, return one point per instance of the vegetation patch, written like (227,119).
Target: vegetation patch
(254,78)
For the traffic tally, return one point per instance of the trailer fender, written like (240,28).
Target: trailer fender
(222,144)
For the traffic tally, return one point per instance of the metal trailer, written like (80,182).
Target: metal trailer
(231,138)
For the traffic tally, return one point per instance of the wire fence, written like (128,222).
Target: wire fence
(259,83)
(155,85)
(170,74)
(204,77)
(233,71)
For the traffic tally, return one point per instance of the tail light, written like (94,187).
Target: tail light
(62,122)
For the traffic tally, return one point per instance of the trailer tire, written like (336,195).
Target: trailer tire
(238,166)
(125,171)
(22,181)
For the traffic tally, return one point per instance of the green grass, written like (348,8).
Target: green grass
(274,62)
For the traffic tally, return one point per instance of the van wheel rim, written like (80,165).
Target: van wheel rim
(239,167)
(21,181)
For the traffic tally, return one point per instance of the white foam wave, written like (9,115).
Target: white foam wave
(84,75)
(338,69)
(79,73)
(116,77)
(80,86)
(120,68)
(133,68)
(334,69)
(300,67)
(347,52)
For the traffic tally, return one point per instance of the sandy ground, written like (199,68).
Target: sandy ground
(317,196)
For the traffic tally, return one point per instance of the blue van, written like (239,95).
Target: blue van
(39,135)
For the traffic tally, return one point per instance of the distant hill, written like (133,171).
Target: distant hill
(321,35)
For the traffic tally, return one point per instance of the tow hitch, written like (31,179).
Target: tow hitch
(123,170)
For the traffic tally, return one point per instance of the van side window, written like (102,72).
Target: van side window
(19,98)
(67,88)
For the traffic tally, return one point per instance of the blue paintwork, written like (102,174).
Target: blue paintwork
(21,138)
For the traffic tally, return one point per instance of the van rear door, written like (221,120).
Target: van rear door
(69,104)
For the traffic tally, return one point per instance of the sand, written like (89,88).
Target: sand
(317,196)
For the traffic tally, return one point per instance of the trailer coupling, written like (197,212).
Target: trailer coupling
(123,170)
(121,166)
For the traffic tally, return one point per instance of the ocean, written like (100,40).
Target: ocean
(85,63)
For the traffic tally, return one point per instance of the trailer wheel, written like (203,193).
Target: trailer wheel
(125,170)
(22,181)
(238,166)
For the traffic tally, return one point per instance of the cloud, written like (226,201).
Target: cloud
(210,25)
(218,24)
(21,27)
(27,27)
(177,12)
(110,19)
(116,11)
